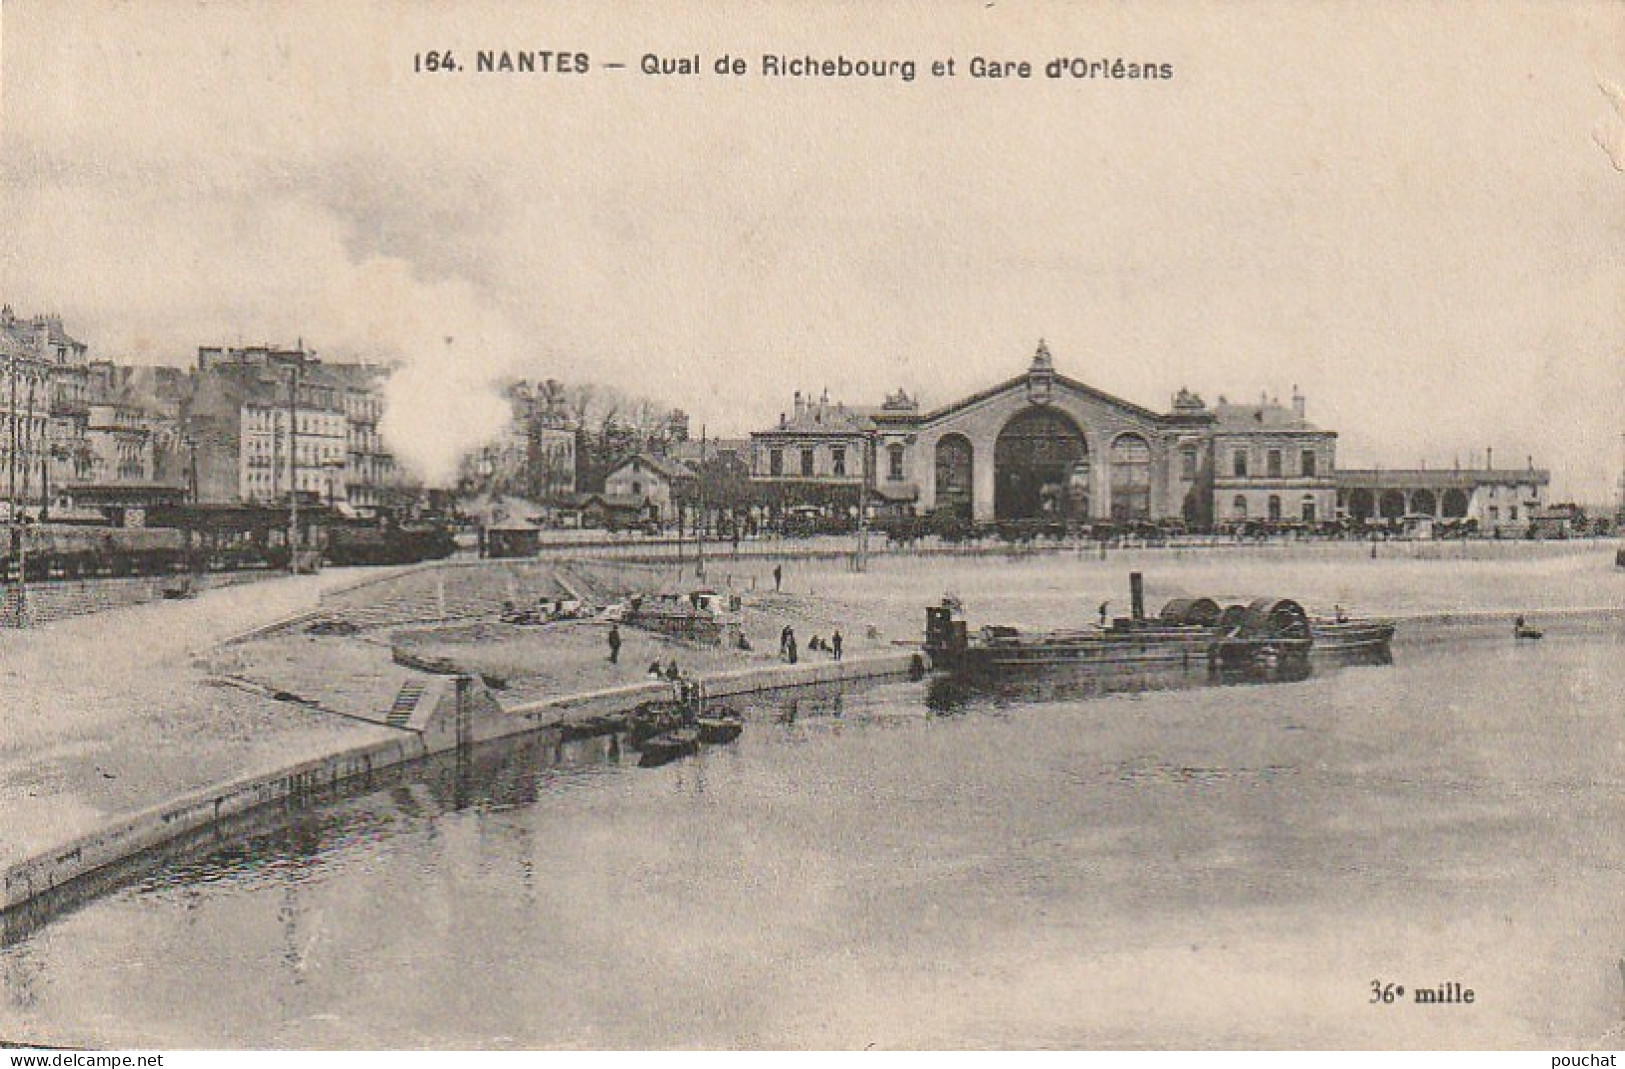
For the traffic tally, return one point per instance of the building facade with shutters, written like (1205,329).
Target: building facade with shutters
(44,393)
(263,422)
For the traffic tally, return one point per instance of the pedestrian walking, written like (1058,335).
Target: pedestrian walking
(835,644)
(778,577)
(785,638)
(614,643)
(790,648)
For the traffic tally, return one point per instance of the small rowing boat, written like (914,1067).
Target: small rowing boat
(668,746)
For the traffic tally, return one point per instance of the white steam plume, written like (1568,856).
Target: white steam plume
(450,348)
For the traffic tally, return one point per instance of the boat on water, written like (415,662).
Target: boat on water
(668,746)
(1342,634)
(662,731)
(1267,634)
(719,727)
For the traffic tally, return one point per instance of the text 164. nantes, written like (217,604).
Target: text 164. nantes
(536,61)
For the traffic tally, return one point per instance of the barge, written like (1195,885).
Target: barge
(1266,634)
(662,731)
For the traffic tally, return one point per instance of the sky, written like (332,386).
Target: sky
(1415,213)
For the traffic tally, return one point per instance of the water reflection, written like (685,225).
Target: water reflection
(920,880)
(297,842)
(955,693)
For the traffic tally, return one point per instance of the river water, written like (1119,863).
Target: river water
(906,865)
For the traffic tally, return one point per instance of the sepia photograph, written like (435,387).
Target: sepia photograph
(983,525)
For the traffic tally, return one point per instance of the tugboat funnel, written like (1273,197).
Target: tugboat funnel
(1136,589)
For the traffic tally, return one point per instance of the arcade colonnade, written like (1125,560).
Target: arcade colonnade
(1498,498)
(1393,502)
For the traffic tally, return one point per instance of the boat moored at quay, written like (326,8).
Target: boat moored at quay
(1264,634)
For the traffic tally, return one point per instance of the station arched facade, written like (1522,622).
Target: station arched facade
(1042,446)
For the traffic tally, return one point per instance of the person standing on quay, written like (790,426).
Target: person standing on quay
(778,577)
(835,644)
(790,645)
(614,643)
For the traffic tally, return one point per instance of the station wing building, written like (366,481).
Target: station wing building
(1042,446)
(1499,501)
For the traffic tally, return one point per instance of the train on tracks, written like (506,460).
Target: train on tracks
(205,538)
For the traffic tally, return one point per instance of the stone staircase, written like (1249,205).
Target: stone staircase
(434,594)
(406,703)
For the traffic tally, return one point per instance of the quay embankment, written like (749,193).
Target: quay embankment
(134,728)
(137,726)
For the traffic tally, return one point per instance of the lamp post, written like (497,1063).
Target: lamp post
(293,463)
(294,368)
(17,560)
(699,519)
(861,561)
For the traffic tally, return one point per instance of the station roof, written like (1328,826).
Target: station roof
(1437,479)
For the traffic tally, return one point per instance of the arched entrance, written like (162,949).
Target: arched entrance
(1455,503)
(1035,463)
(956,468)
(1391,504)
(1131,478)
(1361,505)
(1424,503)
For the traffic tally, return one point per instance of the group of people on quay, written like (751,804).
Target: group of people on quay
(789,651)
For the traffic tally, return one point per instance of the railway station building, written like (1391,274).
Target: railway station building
(1044,446)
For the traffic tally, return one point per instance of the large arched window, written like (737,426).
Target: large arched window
(955,473)
(1131,478)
